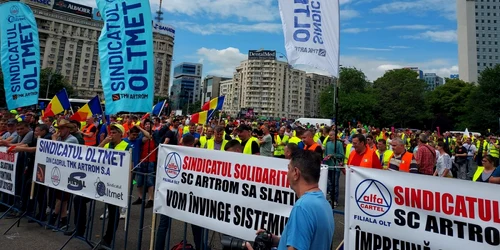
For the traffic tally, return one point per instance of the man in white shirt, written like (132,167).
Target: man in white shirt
(471,151)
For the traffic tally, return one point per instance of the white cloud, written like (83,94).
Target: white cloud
(228,28)
(446,8)
(370,49)
(348,14)
(399,47)
(413,27)
(447,36)
(354,30)
(223,62)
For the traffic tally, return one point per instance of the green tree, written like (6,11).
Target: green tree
(356,99)
(57,82)
(447,104)
(484,104)
(400,98)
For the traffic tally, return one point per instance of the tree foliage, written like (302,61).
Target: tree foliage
(57,82)
(400,98)
(484,104)
(448,105)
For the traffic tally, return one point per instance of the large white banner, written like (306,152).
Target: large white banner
(8,163)
(96,173)
(230,193)
(311,30)
(395,210)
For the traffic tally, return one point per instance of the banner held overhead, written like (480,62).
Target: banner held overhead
(20,55)
(126,55)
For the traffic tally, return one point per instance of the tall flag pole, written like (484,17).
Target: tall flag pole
(20,50)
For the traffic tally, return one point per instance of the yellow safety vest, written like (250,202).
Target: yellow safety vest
(294,140)
(347,153)
(211,144)
(493,151)
(203,141)
(316,137)
(248,147)
(387,157)
(280,150)
(185,129)
(325,141)
(121,146)
(478,173)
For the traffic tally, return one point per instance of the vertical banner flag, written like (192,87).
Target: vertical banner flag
(396,210)
(126,54)
(8,163)
(20,55)
(311,30)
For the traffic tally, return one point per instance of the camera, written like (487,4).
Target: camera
(263,241)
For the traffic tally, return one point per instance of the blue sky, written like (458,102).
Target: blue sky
(376,35)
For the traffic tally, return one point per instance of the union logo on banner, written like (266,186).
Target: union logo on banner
(373,198)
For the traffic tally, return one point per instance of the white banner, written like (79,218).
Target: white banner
(311,30)
(395,210)
(96,173)
(230,193)
(8,163)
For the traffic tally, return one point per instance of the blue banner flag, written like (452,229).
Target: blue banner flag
(126,54)
(20,55)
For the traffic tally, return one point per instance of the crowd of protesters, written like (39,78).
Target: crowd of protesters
(420,152)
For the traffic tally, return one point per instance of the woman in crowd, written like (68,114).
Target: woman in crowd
(443,165)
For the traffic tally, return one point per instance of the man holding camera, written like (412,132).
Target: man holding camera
(311,224)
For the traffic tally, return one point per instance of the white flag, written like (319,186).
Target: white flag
(312,35)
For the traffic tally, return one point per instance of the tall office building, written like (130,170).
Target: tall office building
(433,81)
(210,87)
(478,31)
(68,34)
(315,85)
(271,88)
(186,87)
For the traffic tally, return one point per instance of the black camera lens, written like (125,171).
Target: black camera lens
(231,243)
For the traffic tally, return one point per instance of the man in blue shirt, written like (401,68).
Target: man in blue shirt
(310,225)
(136,136)
(192,131)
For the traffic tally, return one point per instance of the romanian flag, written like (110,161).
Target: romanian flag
(215,104)
(58,104)
(159,107)
(93,107)
(202,117)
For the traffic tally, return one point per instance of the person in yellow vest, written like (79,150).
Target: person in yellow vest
(280,141)
(383,153)
(217,142)
(296,136)
(485,173)
(113,141)
(208,136)
(482,149)
(250,144)
(89,132)
(348,149)
(493,149)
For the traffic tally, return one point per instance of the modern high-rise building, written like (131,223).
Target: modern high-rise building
(69,34)
(186,87)
(433,80)
(210,87)
(271,88)
(478,37)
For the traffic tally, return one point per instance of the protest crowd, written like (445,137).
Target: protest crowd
(463,156)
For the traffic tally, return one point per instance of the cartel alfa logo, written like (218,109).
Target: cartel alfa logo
(55,176)
(373,198)
(173,164)
(76,181)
